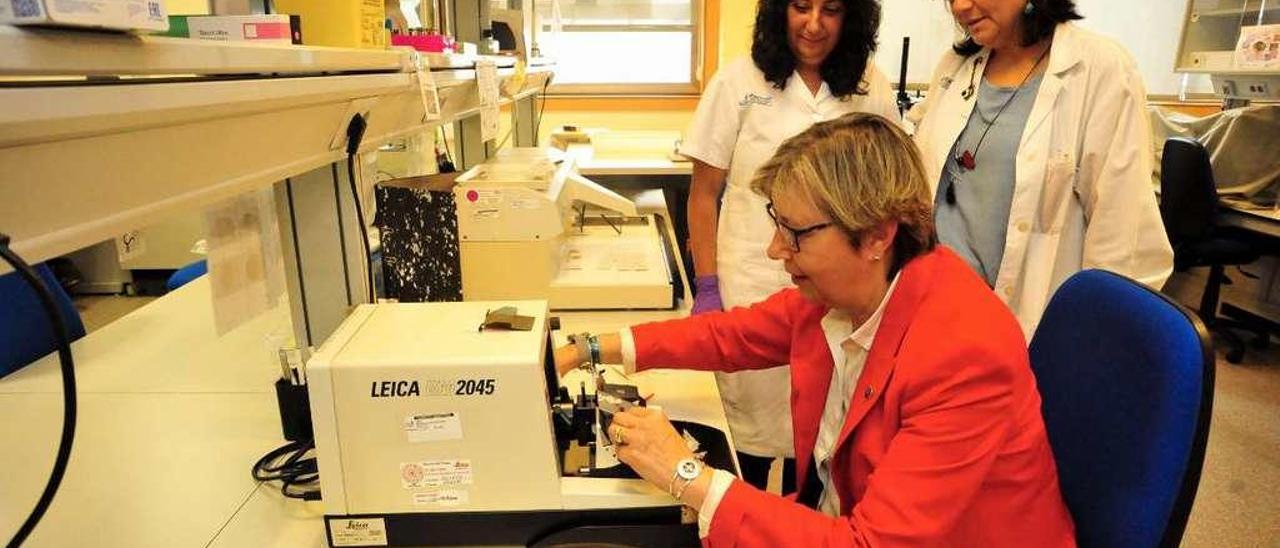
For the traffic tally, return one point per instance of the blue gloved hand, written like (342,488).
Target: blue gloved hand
(707,298)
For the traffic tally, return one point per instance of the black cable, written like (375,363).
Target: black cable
(355,134)
(448,166)
(289,465)
(537,126)
(60,332)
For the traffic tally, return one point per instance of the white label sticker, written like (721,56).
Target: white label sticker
(358,532)
(441,498)
(489,197)
(433,427)
(435,473)
(526,203)
(130,245)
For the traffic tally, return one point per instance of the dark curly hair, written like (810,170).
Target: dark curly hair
(1035,27)
(842,70)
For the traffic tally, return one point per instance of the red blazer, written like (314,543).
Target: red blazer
(943,444)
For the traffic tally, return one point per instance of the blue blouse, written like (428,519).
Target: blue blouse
(976,224)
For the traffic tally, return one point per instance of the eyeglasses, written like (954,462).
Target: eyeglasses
(791,236)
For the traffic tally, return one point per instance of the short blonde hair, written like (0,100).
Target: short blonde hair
(860,170)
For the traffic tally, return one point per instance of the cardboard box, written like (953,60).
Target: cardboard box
(339,23)
(141,15)
(253,28)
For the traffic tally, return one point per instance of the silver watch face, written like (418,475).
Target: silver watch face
(688,469)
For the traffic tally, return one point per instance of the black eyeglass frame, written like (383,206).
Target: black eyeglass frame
(795,233)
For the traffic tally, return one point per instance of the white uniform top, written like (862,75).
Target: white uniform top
(740,122)
(1082,194)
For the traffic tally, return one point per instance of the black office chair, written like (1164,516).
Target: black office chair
(1189,208)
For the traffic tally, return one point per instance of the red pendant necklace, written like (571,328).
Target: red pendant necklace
(969,159)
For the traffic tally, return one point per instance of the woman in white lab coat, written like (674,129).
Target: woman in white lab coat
(810,62)
(1035,133)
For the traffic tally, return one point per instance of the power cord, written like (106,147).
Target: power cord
(444,162)
(59,325)
(290,465)
(537,126)
(355,134)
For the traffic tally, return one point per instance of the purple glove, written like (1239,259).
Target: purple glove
(707,295)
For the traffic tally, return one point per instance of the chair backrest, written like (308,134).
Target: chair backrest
(25,332)
(1126,378)
(186,274)
(1188,194)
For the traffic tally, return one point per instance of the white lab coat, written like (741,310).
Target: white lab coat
(1082,196)
(740,122)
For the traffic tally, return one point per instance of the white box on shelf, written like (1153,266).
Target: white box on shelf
(147,15)
(253,28)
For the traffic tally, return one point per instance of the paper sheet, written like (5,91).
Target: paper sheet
(487,86)
(1258,48)
(427,88)
(129,245)
(246,265)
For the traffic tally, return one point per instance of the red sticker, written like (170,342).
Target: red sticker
(472,195)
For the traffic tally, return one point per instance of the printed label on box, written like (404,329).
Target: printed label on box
(441,498)
(358,532)
(433,427)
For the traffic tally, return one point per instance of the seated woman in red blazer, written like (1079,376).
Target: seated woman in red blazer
(916,416)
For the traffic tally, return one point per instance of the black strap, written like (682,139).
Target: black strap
(811,488)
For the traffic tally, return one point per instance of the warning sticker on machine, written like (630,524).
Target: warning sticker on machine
(435,473)
(433,427)
(441,498)
(358,532)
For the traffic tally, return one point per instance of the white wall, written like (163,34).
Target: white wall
(1150,29)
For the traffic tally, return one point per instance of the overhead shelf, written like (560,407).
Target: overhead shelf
(32,52)
(1252,8)
(82,163)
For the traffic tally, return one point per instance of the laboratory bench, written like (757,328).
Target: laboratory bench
(172,416)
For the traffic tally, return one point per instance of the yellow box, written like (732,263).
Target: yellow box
(338,23)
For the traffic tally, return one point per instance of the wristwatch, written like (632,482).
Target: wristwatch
(588,347)
(687,470)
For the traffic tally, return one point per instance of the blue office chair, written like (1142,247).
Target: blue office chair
(1126,377)
(25,334)
(186,274)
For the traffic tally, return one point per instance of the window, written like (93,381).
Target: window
(620,46)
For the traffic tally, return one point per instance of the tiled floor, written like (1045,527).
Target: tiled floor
(1239,498)
(1238,503)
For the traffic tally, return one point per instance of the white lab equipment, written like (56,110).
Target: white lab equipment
(433,430)
(529,228)
(1236,42)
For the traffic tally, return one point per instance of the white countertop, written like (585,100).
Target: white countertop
(172,416)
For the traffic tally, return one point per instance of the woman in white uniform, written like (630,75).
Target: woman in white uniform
(1035,133)
(810,62)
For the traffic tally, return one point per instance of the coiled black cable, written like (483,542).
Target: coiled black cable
(60,332)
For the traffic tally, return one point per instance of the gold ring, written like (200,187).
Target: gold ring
(617,435)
